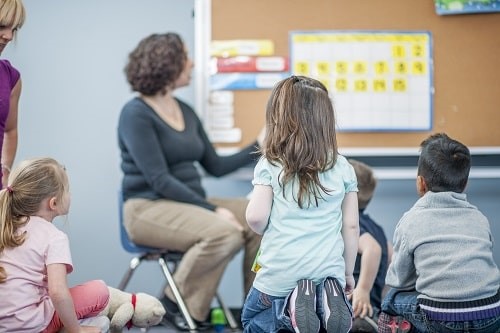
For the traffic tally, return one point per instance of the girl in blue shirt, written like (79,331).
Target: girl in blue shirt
(304,203)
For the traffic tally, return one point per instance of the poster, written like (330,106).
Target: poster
(447,7)
(378,80)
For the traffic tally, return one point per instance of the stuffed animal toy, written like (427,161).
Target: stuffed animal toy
(126,310)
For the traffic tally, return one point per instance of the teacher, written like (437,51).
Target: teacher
(162,143)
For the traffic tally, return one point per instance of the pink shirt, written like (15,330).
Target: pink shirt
(25,305)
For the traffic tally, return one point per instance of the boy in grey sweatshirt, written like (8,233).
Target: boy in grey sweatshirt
(443,275)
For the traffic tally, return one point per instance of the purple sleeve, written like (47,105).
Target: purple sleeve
(12,73)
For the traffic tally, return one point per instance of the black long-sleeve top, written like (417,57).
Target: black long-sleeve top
(160,162)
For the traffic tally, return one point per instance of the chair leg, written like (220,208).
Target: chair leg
(134,263)
(180,301)
(227,312)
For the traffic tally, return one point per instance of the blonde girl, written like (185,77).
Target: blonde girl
(35,255)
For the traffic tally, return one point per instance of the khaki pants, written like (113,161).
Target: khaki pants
(207,241)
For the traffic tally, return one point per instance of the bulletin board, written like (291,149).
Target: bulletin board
(465,49)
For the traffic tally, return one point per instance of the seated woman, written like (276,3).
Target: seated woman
(162,141)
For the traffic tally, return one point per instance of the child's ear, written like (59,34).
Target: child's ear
(421,186)
(52,203)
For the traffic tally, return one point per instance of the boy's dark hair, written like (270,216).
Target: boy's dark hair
(444,163)
(366,182)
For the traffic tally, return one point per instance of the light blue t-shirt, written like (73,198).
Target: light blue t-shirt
(302,243)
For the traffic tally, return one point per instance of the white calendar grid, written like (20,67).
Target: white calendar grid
(379,81)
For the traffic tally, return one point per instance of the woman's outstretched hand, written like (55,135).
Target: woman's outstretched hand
(227,215)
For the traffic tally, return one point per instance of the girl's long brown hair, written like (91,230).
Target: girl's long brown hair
(301,137)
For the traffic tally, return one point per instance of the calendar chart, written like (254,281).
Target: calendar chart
(378,81)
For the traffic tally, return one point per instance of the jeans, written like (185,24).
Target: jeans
(404,303)
(264,313)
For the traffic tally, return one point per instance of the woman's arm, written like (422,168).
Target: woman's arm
(10,134)
(259,208)
(217,165)
(222,165)
(350,234)
(61,297)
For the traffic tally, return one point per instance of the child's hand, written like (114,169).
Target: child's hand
(349,284)
(361,303)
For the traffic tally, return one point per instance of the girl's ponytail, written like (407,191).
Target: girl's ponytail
(8,226)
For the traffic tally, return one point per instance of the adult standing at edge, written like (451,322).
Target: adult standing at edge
(12,15)
(162,141)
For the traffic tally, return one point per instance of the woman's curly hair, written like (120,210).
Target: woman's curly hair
(156,63)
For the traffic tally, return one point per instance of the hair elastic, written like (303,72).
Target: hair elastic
(10,190)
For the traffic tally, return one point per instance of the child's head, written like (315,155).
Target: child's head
(443,165)
(12,14)
(366,182)
(300,132)
(300,119)
(33,184)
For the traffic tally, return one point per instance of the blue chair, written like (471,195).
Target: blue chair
(168,261)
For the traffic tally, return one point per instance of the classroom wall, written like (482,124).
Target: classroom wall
(71,55)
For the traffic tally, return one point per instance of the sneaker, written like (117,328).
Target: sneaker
(364,325)
(302,308)
(393,324)
(337,317)
(178,322)
(173,317)
(169,305)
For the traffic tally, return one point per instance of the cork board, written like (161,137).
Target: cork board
(466,51)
